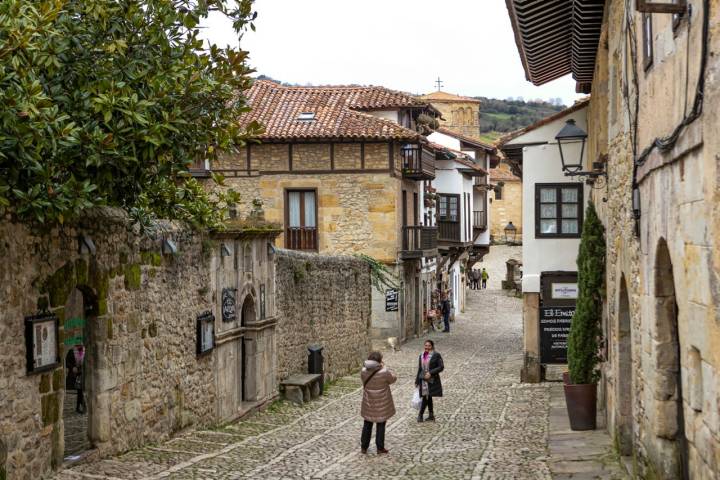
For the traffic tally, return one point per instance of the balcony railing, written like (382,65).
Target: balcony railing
(480,220)
(449,231)
(418,163)
(419,241)
(301,238)
(480,181)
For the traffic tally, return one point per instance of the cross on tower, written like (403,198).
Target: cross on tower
(439,84)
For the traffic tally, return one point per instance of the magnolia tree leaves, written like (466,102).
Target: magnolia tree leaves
(109,102)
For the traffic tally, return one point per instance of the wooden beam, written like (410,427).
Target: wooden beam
(290,155)
(247,157)
(661,7)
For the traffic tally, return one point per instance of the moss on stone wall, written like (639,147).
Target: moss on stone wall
(133,276)
(57,285)
(151,258)
(81,272)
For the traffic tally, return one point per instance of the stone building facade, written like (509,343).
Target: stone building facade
(654,77)
(506,206)
(341,168)
(179,329)
(459,114)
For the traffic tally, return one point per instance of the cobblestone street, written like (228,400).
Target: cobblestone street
(488,425)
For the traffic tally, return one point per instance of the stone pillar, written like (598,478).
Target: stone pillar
(531,371)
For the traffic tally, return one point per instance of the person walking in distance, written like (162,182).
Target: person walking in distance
(377,402)
(484,275)
(427,380)
(476,279)
(445,308)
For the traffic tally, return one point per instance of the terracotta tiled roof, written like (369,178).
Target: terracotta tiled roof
(583,102)
(466,139)
(336,112)
(498,174)
(460,157)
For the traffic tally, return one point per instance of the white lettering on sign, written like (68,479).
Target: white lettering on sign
(564,290)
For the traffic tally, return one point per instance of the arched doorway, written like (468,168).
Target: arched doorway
(667,355)
(625,372)
(76,363)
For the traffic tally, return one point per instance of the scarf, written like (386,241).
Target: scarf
(425,361)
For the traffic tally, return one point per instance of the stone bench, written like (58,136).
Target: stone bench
(301,388)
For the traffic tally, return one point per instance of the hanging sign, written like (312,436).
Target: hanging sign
(391,300)
(554,329)
(228,305)
(41,334)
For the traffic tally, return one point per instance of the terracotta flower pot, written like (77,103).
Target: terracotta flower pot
(581,403)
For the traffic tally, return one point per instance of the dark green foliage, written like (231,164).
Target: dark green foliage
(585,331)
(380,276)
(509,115)
(108,102)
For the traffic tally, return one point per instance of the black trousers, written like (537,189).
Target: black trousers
(379,435)
(426,403)
(446,321)
(80,404)
(484,284)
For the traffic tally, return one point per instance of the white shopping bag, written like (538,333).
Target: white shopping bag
(416,400)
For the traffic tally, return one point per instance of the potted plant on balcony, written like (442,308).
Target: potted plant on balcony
(585,335)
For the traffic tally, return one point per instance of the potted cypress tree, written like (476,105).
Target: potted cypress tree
(585,331)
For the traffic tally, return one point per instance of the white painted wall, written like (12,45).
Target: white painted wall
(541,164)
(445,140)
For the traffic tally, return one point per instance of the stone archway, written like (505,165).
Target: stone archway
(625,372)
(79,310)
(669,414)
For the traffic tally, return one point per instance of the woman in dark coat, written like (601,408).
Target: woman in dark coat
(430,364)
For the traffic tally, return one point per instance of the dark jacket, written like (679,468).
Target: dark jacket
(436,366)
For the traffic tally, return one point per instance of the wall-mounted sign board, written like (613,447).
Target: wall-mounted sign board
(554,329)
(41,343)
(563,291)
(228,305)
(391,300)
(205,333)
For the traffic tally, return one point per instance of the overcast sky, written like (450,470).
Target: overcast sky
(400,44)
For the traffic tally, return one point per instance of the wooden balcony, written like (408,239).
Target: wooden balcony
(480,182)
(418,163)
(419,242)
(479,221)
(449,232)
(301,238)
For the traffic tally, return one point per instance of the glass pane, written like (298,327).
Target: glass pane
(548,195)
(453,209)
(310,209)
(570,195)
(570,226)
(548,210)
(294,209)
(570,211)
(548,226)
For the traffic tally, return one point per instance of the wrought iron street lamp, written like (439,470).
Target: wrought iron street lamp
(510,233)
(571,134)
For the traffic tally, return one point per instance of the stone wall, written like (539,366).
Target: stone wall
(509,208)
(662,286)
(322,300)
(143,378)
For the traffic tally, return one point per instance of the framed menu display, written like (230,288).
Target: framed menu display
(205,333)
(41,342)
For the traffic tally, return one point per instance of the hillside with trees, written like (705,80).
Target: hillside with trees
(498,117)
